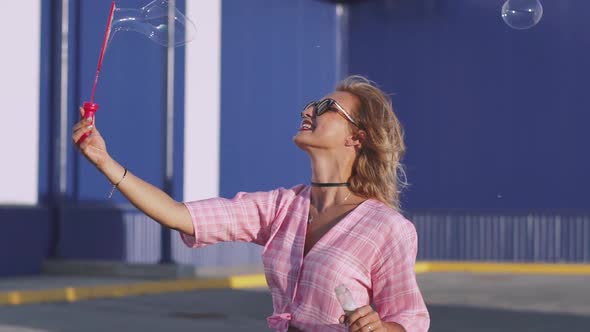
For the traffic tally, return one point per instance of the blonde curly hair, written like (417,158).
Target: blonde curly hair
(377,172)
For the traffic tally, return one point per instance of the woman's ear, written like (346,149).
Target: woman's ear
(357,139)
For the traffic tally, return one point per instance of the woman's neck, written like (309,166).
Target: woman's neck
(329,170)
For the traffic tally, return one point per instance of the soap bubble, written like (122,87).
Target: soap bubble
(152,21)
(522,14)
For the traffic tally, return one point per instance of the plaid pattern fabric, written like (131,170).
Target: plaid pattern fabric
(372,251)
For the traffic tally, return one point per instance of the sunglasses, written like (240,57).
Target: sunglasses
(329,104)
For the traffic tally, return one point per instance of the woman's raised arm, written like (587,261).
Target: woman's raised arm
(147,198)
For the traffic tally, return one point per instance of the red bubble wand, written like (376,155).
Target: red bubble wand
(90,108)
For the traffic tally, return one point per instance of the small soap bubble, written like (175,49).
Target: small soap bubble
(522,14)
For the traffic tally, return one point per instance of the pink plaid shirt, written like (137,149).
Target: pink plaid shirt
(372,251)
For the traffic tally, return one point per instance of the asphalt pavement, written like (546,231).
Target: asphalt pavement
(458,302)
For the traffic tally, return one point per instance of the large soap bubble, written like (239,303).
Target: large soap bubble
(158,20)
(153,21)
(522,14)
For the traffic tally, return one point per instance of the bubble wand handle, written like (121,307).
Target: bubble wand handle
(90,108)
(89,111)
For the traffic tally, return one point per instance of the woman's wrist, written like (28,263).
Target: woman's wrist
(105,164)
(112,170)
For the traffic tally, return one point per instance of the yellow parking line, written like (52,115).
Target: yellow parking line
(248,281)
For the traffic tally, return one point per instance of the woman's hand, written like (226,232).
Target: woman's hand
(364,319)
(94,147)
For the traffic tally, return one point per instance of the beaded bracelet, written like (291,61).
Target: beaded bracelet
(116,185)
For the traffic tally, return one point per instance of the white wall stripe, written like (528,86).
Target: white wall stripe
(19,93)
(202,101)
(63,99)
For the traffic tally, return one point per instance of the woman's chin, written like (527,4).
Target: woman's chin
(299,140)
(307,143)
(303,140)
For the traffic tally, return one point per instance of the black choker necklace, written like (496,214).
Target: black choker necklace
(329,184)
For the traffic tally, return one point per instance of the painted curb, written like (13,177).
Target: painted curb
(73,294)
(509,268)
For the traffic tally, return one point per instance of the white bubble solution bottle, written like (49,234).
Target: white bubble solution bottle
(346,301)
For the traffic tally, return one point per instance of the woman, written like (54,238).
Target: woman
(343,229)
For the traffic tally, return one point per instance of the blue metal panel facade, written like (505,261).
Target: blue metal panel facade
(517,237)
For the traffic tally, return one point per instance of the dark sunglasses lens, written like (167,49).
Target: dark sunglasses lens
(310,104)
(323,106)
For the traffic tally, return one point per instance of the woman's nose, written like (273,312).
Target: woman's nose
(308,112)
